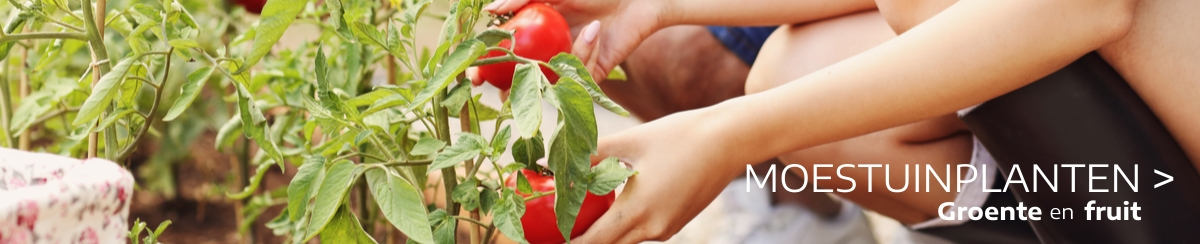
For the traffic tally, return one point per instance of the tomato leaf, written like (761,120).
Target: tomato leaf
(254,125)
(427,146)
(103,92)
(528,151)
(338,180)
(276,15)
(457,97)
(487,200)
(455,64)
(571,147)
(523,185)
(386,103)
(230,128)
(467,193)
(606,176)
(509,209)
(401,203)
(500,142)
(300,189)
(491,37)
(526,97)
(444,226)
(617,73)
(468,146)
(569,66)
(344,228)
(188,92)
(370,97)
(330,100)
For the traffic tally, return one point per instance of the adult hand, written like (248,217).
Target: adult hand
(680,171)
(608,30)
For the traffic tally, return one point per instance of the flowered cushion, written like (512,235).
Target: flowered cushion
(53,199)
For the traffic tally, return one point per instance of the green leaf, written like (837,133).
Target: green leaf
(444,226)
(162,227)
(606,176)
(276,16)
(113,117)
(254,125)
(457,97)
(368,34)
(370,97)
(184,44)
(528,151)
(569,66)
(188,92)
(458,61)
(338,180)
(617,73)
(401,203)
(467,193)
(468,146)
(103,93)
(230,128)
(500,142)
(523,185)
(570,151)
(300,189)
(526,97)
(330,100)
(487,200)
(508,212)
(491,37)
(344,228)
(386,103)
(427,146)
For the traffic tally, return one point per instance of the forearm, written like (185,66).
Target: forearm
(757,12)
(971,52)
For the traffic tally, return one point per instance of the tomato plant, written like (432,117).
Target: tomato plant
(539,32)
(539,218)
(360,113)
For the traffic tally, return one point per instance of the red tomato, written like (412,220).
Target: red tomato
(253,6)
(539,221)
(540,33)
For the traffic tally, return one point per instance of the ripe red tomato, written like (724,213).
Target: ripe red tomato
(539,221)
(253,6)
(540,33)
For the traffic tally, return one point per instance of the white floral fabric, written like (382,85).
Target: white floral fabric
(53,199)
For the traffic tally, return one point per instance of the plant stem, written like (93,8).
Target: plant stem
(539,194)
(43,35)
(22,92)
(408,163)
(473,221)
(95,36)
(149,120)
(6,107)
(53,114)
(449,175)
(464,119)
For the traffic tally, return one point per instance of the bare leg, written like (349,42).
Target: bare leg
(794,51)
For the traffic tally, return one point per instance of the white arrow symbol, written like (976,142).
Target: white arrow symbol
(1169,179)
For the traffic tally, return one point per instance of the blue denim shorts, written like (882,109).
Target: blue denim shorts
(745,42)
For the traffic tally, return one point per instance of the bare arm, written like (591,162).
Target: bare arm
(757,12)
(971,52)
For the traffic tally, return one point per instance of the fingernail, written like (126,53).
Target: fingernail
(494,5)
(589,32)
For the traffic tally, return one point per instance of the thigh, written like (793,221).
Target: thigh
(676,69)
(796,50)
(1160,58)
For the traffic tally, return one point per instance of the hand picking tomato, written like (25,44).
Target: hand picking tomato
(540,32)
(539,221)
